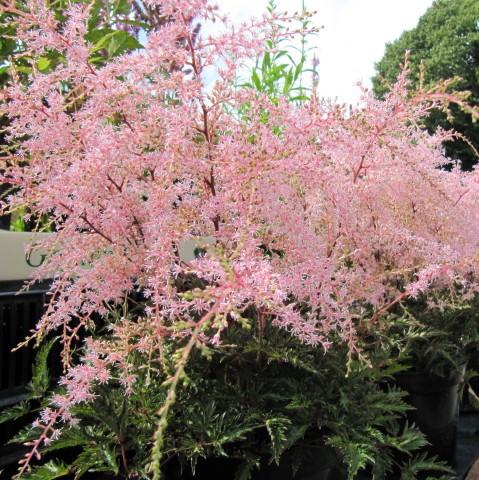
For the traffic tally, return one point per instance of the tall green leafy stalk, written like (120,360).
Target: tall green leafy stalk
(283,68)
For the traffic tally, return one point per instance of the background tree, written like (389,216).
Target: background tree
(446,42)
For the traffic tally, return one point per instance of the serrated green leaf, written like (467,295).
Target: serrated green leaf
(40,382)
(96,459)
(410,440)
(70,437)
(14,412)
(26,434)
(48,471)
(421,463)
(277,428)
(294,434)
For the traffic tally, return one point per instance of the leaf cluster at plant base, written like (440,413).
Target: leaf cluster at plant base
(259,399)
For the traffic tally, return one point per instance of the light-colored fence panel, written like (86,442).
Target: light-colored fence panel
(15,262)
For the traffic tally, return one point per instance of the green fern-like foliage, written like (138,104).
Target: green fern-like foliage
(49,471)
(435,335)
(260,400)
(37,388)
(421,463)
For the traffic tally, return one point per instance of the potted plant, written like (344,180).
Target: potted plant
(432,339)
(313,213)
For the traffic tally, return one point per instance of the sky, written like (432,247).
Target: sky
(352,39)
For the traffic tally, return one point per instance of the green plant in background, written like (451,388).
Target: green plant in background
(443,45)
(283,68)
(20,221)
(17,222)
(433,335)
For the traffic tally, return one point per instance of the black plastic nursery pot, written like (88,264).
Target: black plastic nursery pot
(320,463)
(436,403)
(473,383)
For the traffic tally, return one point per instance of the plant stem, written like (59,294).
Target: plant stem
(156,453)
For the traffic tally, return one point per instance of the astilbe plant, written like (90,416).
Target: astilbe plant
(314,215)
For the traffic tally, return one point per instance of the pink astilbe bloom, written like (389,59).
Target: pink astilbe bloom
(306,204)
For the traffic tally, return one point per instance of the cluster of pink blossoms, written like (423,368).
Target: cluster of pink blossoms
(345,211)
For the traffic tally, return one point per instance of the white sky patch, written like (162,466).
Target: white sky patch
(353,38)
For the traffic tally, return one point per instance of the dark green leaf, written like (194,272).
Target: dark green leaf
(256,80)
(48,471)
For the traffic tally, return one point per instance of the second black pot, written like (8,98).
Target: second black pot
(436,409)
